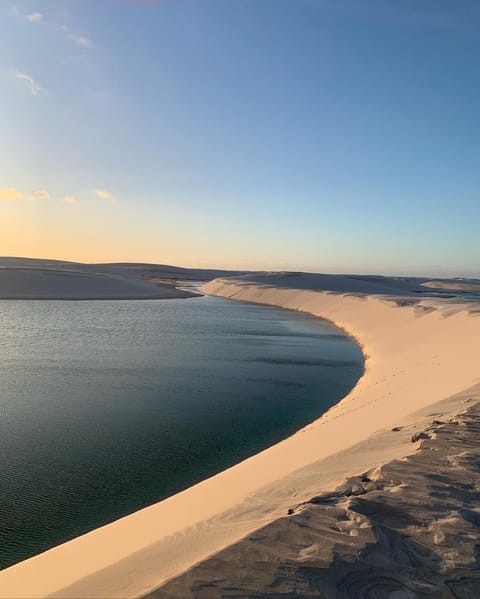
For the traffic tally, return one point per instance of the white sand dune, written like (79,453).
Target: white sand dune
(453,285)
(421,355)
(344,283)
(31,278)
(47,283)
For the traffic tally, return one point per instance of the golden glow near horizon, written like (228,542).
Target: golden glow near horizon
(10,194)
(73,227)
(96,226)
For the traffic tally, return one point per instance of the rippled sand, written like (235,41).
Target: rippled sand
(409,529)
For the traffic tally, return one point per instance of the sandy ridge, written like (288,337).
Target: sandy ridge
(39,279)
(407,529)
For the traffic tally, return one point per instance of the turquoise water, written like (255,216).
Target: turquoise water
(106,407)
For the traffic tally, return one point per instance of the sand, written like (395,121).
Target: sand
(452,285)
(408,529)
(37,279)
(421,355)
(52,280)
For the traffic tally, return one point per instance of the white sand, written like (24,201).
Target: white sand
(418,355)
(22,278)
(452,286)
(41,284)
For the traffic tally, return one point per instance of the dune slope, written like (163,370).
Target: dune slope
(29,278)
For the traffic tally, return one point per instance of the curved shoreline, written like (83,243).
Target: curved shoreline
(411,352)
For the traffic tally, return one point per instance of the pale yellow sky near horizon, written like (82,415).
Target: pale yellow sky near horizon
(97,226)
(95,230)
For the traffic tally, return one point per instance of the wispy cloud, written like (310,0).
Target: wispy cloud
(34,87)
(81,40)
(76,38)
(10,194)
(34,16)
(103,194)
(41,194)
(70,34)
(30,82)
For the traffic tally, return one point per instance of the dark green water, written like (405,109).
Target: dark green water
(106,407)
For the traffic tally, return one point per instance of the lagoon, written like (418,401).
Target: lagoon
(109,406)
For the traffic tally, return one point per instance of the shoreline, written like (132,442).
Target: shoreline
(405,348)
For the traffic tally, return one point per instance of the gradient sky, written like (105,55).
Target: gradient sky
(286,134)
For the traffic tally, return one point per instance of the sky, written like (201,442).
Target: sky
(320,135)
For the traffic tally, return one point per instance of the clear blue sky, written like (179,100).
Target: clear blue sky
(295,134)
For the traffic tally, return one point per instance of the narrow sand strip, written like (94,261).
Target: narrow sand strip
(418,353)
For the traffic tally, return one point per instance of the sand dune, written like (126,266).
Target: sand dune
(407,529)
(453,285)
(47,283)
(421,354)
(30,278)
(363,284)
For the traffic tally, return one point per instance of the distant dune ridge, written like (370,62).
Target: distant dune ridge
(28,278)
(420,383)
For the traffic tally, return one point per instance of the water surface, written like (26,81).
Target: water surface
(109,406)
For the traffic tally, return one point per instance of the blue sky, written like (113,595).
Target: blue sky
(295,134)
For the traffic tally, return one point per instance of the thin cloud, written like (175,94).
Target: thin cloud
(81,40)
(38,17)
(32,85)
(34,16)
(76,38)
(41,194)
(10,194)
(103,194)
